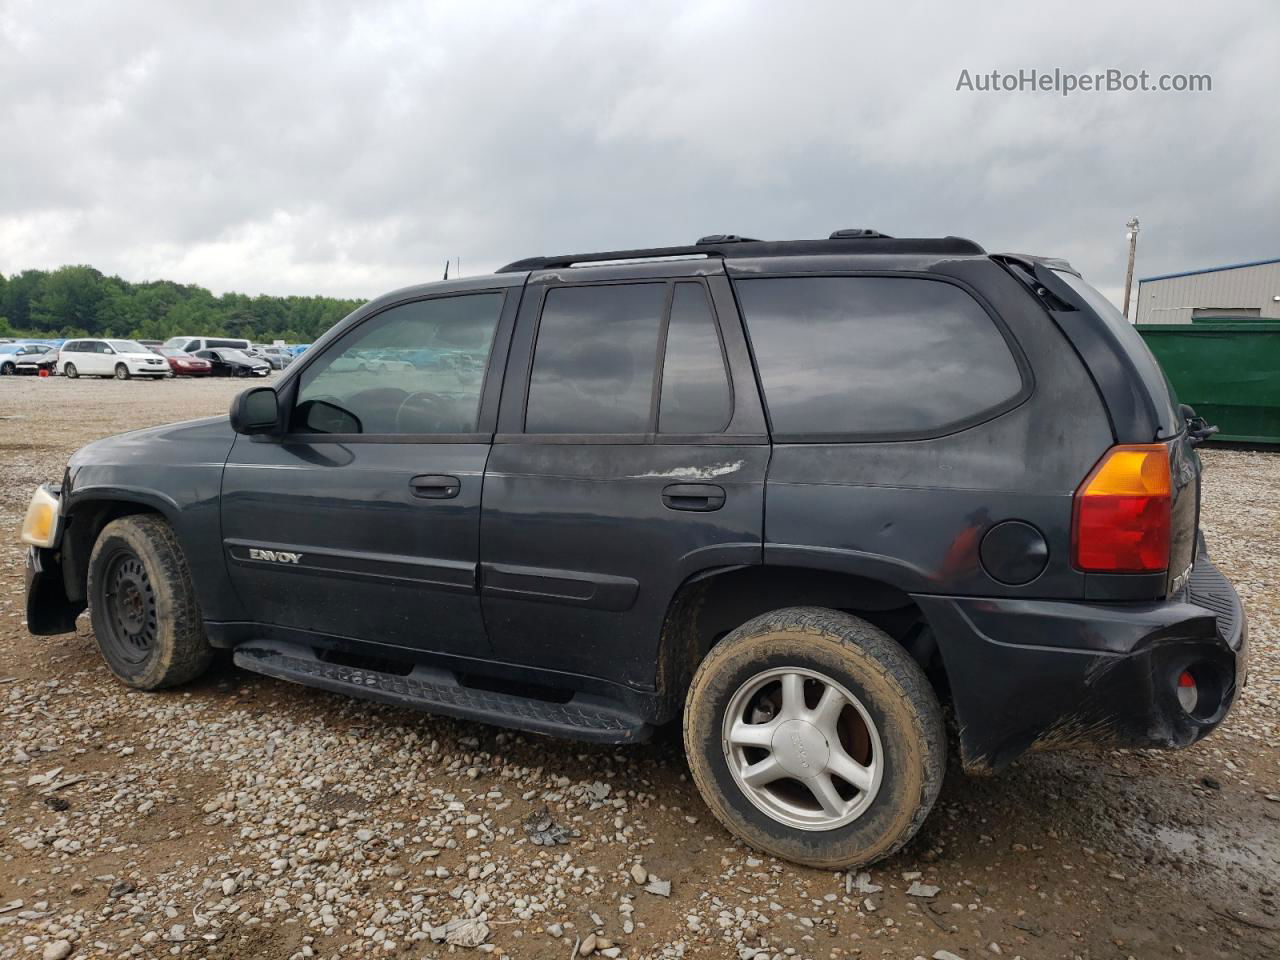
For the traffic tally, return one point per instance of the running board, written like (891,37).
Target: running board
(583,717)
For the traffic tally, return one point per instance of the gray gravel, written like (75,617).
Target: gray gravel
(241,817)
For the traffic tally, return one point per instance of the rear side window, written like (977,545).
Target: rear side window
(594,362)
(874,356)
(695,383)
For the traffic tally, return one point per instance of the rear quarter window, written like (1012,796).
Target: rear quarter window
(876,357)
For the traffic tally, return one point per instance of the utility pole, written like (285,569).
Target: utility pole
(1133,249)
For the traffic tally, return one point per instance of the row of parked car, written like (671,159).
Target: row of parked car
(125,359)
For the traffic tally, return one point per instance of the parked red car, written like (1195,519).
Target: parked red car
(184,364)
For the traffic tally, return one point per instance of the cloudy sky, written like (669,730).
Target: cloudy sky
(351,148)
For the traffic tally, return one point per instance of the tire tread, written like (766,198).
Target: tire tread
(185,653)
(876,651)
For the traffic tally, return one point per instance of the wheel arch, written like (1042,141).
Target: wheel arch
(711,603)
(88,512)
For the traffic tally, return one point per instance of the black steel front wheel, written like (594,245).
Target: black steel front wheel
(129,600)
(143,606)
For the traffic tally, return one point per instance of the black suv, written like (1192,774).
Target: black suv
(801,493)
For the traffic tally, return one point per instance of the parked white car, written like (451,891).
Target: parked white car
(121,359)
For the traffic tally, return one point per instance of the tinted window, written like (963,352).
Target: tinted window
(695,384)
(71,347)
(594,362)
(414,369)
(874,355)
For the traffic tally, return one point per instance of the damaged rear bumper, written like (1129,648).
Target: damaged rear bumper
(1037,674)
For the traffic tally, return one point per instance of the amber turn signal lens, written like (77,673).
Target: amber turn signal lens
(39,526)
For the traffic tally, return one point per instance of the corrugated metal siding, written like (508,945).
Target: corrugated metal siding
(1171,300)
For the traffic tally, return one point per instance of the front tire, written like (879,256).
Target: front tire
(70,371)
(143,607)
(815,737)
(122,372)
(7,369)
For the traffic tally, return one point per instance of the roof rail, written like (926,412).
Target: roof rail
(728,246)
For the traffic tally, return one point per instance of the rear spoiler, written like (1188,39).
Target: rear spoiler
(1131,410)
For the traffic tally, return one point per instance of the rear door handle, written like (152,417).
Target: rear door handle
(700,497)
(435,486)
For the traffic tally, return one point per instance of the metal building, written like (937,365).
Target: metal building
(1237,290)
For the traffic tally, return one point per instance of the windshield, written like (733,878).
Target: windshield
(127,346)
(1144,362)
(226,353)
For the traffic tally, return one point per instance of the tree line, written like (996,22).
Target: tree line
(80,301)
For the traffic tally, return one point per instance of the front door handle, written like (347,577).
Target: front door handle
(700,497)
(435,486)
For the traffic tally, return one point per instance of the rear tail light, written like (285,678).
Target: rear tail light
(1121,519)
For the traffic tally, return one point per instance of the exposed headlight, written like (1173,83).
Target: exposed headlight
(40,526)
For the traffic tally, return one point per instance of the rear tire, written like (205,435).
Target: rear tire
(760,719)
(143,607)
(70,371)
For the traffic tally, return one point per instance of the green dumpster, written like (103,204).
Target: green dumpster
(1230,373)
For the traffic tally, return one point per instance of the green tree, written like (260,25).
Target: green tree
(19,291)
(70,296)
(81,301)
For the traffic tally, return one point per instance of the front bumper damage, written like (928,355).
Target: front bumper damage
(1040,675)
(49,611)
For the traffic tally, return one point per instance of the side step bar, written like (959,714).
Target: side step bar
(583,717)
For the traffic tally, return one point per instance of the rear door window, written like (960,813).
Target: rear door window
(594,363)
(695,383)
(875,357)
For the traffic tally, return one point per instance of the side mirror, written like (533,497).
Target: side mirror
(108,350)
(320,416)
(255,411)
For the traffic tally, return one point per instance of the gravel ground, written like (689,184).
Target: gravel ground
(243,817)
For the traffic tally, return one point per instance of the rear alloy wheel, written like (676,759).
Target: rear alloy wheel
(122,372)
(142,605)
(70,371)
(815,737)
(775,741)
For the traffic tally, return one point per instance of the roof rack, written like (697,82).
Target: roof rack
(731,246)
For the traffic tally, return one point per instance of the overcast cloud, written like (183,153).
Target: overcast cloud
(349,149)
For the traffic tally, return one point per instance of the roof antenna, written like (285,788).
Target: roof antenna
(446,269)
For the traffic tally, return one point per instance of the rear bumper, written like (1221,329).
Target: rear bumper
(1038,675)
